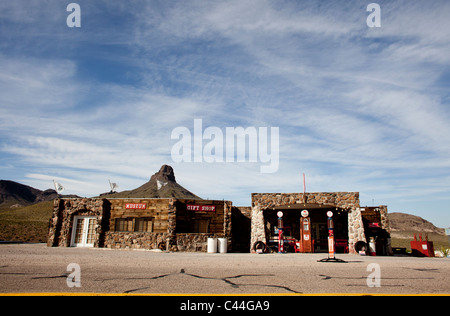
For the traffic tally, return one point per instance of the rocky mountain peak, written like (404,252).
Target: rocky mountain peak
(165,174)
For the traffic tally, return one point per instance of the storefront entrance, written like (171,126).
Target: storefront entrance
(294,234)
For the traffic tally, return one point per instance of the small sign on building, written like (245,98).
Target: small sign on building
(201,208)
(135,206)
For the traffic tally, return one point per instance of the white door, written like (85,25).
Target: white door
(83,232)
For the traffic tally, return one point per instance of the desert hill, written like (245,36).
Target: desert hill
(13,194)
(406,222)
(404,226)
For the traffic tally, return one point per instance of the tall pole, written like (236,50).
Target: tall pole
(304,184)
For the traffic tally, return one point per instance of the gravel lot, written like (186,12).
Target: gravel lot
(35,268)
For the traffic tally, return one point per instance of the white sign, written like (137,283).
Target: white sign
(447,231)
(330,214)
(305,213)
(280,214)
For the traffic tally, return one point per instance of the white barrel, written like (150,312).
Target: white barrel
(212,245)
(372,247)
(222,245)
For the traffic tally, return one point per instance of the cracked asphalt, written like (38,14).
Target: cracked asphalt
(35,268)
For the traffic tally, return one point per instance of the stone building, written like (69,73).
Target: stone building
(150,223)
(175,219)
(354,226)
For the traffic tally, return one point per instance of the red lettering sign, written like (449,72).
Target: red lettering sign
(201,208)
(135,206)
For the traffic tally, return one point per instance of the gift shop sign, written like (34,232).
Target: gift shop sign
(201,208)
(135,206)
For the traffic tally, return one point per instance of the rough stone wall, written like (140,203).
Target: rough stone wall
(344,200)
(136,240)
(54,225)
(106,211)
(182,242)
(227,218)
(64,211)
(194,242)
(355,229)
(258,232)
(384,218)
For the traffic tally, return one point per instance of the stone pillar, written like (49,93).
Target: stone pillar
(387,227)
(384,218)
(54,226)
(258,232)
(355,229)
(227,223)
(171,240)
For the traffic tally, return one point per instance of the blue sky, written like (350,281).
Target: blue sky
(358,108)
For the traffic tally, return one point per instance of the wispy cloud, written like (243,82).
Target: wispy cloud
(358,108)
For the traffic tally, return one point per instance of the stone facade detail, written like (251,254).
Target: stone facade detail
(64,212)
(355,228)
(384,218)
(258,232)
(173,223)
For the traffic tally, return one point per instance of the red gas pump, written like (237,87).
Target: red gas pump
(305,232)
(280,232)
(331,251)
(330,235)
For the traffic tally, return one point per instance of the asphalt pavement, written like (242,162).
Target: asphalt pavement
(36,268)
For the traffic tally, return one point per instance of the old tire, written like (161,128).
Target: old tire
(259,245)
(361,246)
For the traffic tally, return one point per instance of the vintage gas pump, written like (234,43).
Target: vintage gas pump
(280,232)
(331,251)
(305,232)
(330,235)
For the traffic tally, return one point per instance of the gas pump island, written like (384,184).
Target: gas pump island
(305,243)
